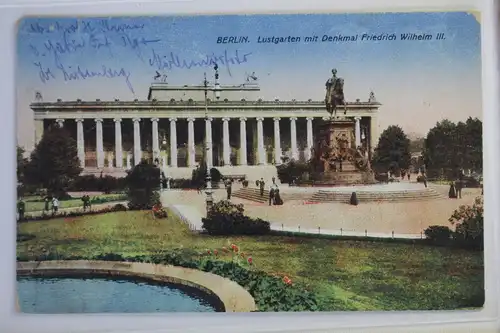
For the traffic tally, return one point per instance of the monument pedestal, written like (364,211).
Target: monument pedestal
(337,159)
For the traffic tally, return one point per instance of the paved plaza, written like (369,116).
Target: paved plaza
(374,218)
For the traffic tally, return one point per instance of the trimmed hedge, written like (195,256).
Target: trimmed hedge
(44,217)
(271,293)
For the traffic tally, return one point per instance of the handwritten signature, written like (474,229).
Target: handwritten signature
(171,61)
(80,73)
(71,44)
(83,26)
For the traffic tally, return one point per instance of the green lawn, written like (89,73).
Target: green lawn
(347,275)
(34,204)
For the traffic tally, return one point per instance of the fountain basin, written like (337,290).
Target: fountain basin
(196,290)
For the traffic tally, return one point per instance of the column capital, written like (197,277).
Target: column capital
(136,120)
(243,119)
(326,118)
(276,118)
(260,118)
(191,119)
(172,119)
(293,118)
(357,118)
(226,119)
(79,120)
(98,120)
(117,120)
(155,120)
(310,118)
(209,119)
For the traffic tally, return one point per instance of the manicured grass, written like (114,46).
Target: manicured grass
(34,204)
(347,275)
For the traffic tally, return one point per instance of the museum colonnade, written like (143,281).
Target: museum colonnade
(126,159)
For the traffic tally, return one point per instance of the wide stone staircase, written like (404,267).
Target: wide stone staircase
(253,194)
(382,196)
(322,196)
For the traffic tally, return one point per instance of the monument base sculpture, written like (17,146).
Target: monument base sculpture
(336,159)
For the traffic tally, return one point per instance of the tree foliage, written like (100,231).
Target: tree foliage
(54,162)
(22,162)
(143,183)
(199,175)
(450,147)
(392,152)
(291,170)
(469,225)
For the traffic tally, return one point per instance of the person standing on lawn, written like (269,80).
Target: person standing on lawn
(21,208)
(55,205)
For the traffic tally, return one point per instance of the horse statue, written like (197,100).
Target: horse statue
(335,94)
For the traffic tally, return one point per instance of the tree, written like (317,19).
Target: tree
(143,183)
(451,147)
(22,162)
(54,163)
(392,152)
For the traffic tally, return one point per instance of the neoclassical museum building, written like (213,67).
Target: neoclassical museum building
(238,132)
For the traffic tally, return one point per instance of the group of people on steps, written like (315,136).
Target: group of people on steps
(274,191)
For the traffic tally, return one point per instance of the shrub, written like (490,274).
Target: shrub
(469,225)
(182,183)
(291,170)
(159,212)
(226,218)
(143,183)
(245,183)
(199,175)
(119,208)
(438,234)
(106,184)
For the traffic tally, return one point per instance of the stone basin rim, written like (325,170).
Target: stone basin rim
(234,297)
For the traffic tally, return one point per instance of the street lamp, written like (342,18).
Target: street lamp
(208,179)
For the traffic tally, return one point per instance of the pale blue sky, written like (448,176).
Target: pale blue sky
(418,82)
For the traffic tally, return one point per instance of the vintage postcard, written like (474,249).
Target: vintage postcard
(244,163)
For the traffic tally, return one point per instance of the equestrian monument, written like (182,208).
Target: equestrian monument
(335,157)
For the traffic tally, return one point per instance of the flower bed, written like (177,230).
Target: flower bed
(46,216)
(271,292)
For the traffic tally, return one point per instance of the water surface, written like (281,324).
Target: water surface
(100,295)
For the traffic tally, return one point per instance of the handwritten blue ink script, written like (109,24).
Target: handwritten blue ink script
(114,49)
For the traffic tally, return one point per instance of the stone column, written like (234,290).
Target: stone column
(293,139)
(118,143)
(80,142)
(310,143)
(173,142)
(60,122)
(277,142)
(357,132)
(208,142)
(110,160)
(99,143)
(137,141)
(38,130)
(243,141)
(191,147)
(226,146)
(156,142)
(129,163)
(260,141)
(373,132)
